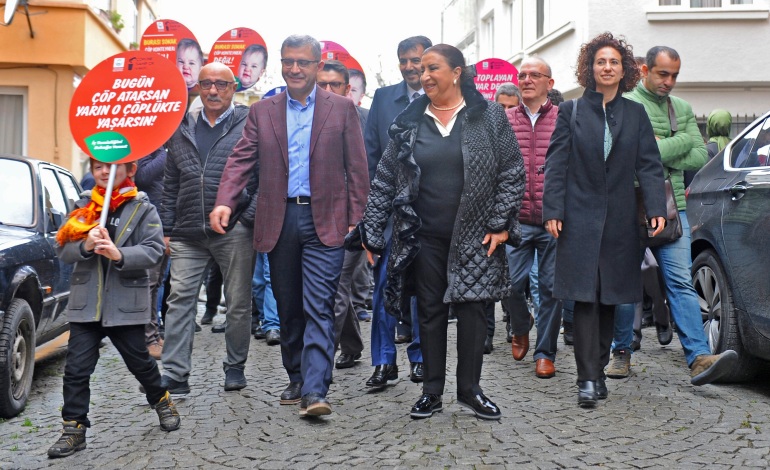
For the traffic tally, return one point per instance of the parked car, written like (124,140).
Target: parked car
(728,207)
(35,198)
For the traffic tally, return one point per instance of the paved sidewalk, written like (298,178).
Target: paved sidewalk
(654,419)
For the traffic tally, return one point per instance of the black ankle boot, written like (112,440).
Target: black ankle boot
(601,388)
(587,393)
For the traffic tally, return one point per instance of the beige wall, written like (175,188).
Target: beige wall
(49,90)
(70,39)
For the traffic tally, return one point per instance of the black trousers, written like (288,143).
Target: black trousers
(430,273)
(83,354)
(214,283)
(594,325)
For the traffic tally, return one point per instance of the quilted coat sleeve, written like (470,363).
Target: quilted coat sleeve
(379,206)
(685,150)
(510,178)
(170,191)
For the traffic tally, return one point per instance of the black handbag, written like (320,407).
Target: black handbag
(673,229)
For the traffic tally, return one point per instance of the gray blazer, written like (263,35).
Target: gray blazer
(121,295)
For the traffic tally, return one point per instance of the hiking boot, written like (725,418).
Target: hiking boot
(73,439)
(155,350)
(620,365)
(167,413)
(708,368)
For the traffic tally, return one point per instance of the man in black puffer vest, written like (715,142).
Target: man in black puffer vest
(197,154)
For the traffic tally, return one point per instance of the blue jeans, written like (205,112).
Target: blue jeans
(533,283)
(675,263)
(536,243)
(262,293)
(384,324)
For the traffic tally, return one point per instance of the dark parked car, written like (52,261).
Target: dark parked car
(35,198)
(728,207)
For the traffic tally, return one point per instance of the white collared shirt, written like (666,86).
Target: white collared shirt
(410,93)
(533,116)
(445,130)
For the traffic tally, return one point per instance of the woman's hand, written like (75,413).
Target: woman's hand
(553,227)
(658,223)
(495,239)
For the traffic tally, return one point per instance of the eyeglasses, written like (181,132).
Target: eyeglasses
(303,63)
(220,84)
(532,75)
(335,85)
(413,60)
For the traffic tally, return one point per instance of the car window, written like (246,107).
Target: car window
(16,193)
(70,190)
(52,193)
(753,150)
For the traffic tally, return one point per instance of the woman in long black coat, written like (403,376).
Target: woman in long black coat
(589,202)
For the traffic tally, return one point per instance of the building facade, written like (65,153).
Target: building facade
(721,42)
(43,57)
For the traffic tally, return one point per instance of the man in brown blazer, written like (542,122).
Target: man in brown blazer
(306,146)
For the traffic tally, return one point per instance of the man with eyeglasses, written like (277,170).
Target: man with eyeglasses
(387,103)
(306,147)
(197,154)
(335,77)
(533,121)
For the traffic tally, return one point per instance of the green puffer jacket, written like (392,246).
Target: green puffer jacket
(683,151)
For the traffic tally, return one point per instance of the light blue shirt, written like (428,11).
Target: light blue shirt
(299,124)
(221,118)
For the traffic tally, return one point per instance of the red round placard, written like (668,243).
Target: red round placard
(331,46)
(491,73)
(175,42)
(245,52)
(127,106)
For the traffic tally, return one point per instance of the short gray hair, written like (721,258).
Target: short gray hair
(538,60)
(296,41)
(508,89)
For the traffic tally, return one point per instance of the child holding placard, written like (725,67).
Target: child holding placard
(109,297)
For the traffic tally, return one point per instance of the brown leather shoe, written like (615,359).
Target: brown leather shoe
(544,368)
(519,346)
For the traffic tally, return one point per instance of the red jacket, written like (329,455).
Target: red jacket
(534,145)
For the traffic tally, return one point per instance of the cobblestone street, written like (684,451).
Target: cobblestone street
(653,419)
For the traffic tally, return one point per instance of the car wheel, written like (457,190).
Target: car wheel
(17,357)
(720,321)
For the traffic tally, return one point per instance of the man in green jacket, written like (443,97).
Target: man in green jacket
(681,148)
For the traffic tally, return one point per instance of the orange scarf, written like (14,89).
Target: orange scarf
(82,220)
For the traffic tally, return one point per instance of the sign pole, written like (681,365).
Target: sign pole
(108,195)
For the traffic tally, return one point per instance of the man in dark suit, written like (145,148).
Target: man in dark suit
(387,103)
(306,146)
(335,78)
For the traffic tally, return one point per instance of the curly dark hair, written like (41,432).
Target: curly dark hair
(585,62)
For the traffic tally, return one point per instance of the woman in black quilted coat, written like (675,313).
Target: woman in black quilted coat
(452,178)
